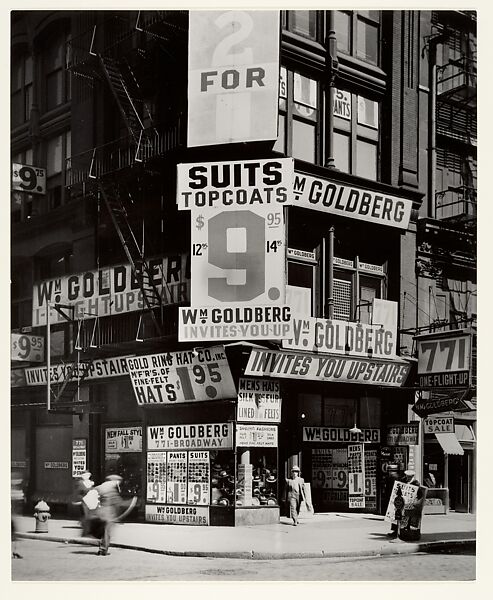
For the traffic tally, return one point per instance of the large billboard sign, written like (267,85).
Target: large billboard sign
(352,202)
(444,359)
(110,290)
(233,76)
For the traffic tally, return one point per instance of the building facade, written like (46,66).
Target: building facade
(224,229)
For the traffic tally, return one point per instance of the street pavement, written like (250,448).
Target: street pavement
(325,535)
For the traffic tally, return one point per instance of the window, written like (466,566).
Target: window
(21,90)
(456,184)
(57,78)
(302,22)
(356,134)
(21,206)
(58,149)
(298,116)
(358,34)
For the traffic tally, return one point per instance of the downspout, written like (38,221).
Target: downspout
(332,66)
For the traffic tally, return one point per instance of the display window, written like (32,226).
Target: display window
(123,456)
(257,481)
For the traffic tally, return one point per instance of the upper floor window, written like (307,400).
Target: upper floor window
(57,78)
(302,22)
(356,134)
(358,33)
(21,202)
(298,116)
(22,89)
(58,149)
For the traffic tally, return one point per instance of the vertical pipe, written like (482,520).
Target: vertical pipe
(330,275)
(48,357)
(332,67)
(432,74)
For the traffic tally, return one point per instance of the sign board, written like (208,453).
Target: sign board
(29,348)
(244,484)
(206,436)
(110,290)
(444,359)
(99,368)
(187,376)
(342,104)
(409,493)
(340,435)
(327,368)
(79,457)
(198,479)
(176,478)
(356,471)
(439,425)
(256,436)
(177,515)
(233,76)
(455,401)
(156,477)
(123,439)
(403,435)
(352,202)
(311,334)
(26,178)
(259,400)
(54,464)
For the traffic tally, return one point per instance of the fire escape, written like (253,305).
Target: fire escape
(107,56)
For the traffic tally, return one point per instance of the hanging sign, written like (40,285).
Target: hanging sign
(188,376)
(177,515)
(356,471)
(457,401)
(110,290)
(214,436)
(233,76)
(403,435)
(352,202)
(444,359)
(327,368)
(123,439)
(259,400)
(29,348)
(156,477)
(26,178)
(439,425)
(79,457)
(256,436)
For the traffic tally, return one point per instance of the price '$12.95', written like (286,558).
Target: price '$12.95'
(238,256)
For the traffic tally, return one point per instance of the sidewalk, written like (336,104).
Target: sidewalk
(322,535)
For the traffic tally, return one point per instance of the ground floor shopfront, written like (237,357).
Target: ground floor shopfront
(224,460)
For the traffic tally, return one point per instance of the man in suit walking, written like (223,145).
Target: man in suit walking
(295,493)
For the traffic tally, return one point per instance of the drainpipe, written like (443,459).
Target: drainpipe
(329,310)
(332,66)
(48,357)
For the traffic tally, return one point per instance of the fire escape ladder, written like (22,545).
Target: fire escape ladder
(140,268)
(64,394)
(126,103)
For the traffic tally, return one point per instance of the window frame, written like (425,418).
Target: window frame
(356,17)
(287,24)
(25,90)
(57,179)
(51,69)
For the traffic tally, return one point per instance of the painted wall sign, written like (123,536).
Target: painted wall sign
(26,178)
(403,435)
(311,334)
(204,436)
(444,359)
(256,436)
(177,515)
(259,400)
(123,439)
(79,456)
(326,368)
(439,425)
(29,348)
(233,76)
(110,290)
(352,202)
(100,368)
(186,376)
(332,435)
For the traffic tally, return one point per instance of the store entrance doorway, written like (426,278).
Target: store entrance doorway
(460,481)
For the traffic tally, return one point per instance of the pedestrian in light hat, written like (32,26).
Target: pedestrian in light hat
(110,504)
(295,493)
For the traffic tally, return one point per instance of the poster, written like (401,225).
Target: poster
(123,439)
(198,478)
(406,434)
(409,493)
(79,457)
(156,477)
(177,515)
(330,475)
(259,400)
(370,479)
(356,471)
(187,376)
(444,359)
(176,478)
(233,69)
(256,436)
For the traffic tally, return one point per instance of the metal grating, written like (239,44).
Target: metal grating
(342,299)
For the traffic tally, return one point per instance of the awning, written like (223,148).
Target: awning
(449,443)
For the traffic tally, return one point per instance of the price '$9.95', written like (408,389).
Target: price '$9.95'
(238,256)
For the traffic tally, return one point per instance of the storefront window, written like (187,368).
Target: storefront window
(257,481)
(123,456)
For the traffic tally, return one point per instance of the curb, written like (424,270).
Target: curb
(396,548)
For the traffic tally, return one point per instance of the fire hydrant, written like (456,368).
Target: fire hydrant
(42,514)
